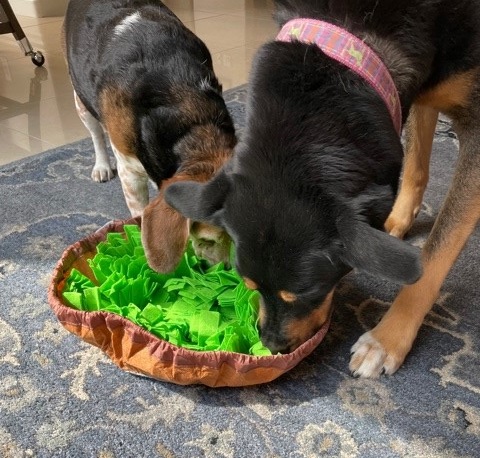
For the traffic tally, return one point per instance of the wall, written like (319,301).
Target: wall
(39,8)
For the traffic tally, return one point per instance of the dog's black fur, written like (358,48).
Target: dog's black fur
(150,66)
(316,174)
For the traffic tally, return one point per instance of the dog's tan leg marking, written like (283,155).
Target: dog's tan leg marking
(134,181)
(420,130)
(117,116)
(453,93)
(386,346)
(102,170)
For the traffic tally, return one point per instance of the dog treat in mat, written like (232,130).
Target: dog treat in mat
(195,325)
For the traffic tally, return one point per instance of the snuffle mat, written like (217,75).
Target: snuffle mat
(196,325)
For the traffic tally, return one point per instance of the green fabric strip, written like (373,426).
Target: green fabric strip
(196,307)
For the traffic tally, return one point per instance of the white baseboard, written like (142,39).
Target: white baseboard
(39,8)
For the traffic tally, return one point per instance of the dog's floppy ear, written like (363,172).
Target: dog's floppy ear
(164,234)
(373,251)
(200,201)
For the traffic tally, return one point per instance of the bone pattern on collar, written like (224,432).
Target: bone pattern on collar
(342,46)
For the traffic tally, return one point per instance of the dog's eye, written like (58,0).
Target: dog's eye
(250,284)
(287,296)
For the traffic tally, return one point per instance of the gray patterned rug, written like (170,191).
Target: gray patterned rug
(60,397)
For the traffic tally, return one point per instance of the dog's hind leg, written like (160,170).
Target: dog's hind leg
(420,130)
(102,170)
(385,347)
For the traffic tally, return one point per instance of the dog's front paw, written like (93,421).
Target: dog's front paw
(102,173)
(401,218)
(398,226)
(370,358)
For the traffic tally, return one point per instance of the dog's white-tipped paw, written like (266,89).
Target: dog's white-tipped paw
(102,173)
(370,359)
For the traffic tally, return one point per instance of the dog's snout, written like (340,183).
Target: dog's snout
(274,342)
(210,243)
(276,346)
(283,332)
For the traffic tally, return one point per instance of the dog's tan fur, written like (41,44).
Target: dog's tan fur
(299,330)
(391,340)
(287,296)
(118,120)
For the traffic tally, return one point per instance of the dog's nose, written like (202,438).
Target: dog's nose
(282,349)
(276,345)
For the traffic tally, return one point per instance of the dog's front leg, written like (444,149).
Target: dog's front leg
(385,347)
(420,130)
(102,170)
(134,181)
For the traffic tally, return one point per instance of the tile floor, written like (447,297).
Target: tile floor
(37,112)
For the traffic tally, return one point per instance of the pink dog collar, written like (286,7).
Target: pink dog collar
(349,50)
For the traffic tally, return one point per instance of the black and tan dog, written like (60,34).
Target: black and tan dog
(147,82)
(315,179)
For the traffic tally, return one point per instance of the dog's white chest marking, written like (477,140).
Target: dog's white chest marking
(126,23)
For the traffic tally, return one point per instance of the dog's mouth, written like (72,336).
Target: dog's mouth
(210,243)
(285,347)
(298,331)
(294,345)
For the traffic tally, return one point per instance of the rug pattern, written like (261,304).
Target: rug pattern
(60,397)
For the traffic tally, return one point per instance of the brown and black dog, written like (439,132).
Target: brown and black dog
(147,82)
(313,183)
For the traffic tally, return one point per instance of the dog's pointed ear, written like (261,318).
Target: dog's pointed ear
(200,201)
(378,253)
(164,235)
